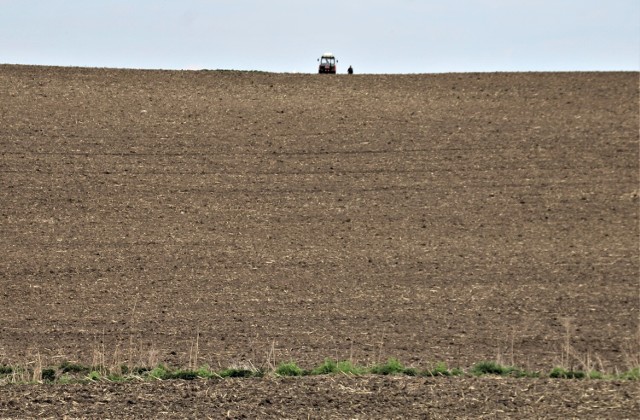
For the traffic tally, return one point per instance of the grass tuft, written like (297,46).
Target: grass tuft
(94,375)
(563,373)
(68,367)
(349,368)
(391,367)
(187,375)
(68,372)
(632,375)
(160,372)
(205,372)
(289,369)
(440,369)
(328,367)
(48,375)
(493,368)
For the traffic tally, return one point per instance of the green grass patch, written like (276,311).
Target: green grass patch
(160,372)
(632,375)
(391,367)
(205,372)
(494,368)
(115,377)
(65,379)
(594,374)
(68,372)
(441,369)
(69,367)
(94,375)
(563,373)
(289,369)
(349,368)
(328,367)
(48,375)
(187,375)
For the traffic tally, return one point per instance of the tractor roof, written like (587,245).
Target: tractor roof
(327,55)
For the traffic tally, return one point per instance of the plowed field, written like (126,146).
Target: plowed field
(225,218)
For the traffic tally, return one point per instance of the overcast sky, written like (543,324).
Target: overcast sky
(375,36)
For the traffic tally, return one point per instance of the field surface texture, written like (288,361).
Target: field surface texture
(247,219)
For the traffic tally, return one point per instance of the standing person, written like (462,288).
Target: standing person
(350,70)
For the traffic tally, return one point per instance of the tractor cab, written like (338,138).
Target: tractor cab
(327,64)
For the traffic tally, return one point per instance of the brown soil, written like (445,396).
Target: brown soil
(274,217)
(335,397)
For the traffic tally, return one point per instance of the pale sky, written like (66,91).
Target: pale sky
(375,36)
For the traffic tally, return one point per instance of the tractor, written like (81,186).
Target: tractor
(327,64)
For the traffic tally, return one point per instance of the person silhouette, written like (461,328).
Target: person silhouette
(350,70)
